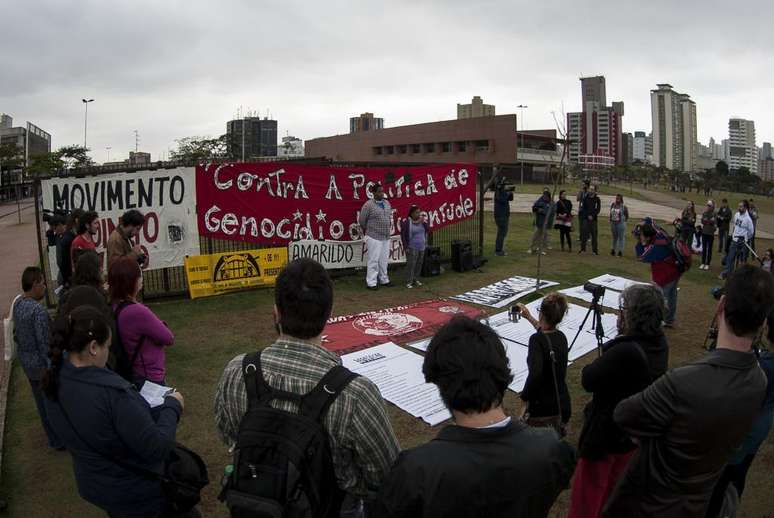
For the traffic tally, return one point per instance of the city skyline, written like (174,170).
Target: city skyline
(173,76)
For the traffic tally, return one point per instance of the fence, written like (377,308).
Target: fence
(169,282)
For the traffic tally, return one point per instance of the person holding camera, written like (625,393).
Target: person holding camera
(628,364)
(691,421)
(543,209)
(743,231)
(120,243)
(655,248)
(502,211)
(545,394)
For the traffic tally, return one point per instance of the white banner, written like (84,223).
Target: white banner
(166,197)
(342,254)
(502,293)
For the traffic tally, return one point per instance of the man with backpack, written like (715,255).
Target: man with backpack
(656,247)
(310,438)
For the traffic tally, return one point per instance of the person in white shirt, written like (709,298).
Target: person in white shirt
(742,232)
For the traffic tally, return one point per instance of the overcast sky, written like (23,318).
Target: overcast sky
(171,69)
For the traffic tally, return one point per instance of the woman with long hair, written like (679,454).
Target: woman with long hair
(413,235)
(143,335)
(619,215)
(563,222)
(104,422)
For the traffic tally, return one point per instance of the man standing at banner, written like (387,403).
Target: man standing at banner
(120,242)
(375,218)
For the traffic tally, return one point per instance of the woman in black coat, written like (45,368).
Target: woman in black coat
(563,221)
(628,364)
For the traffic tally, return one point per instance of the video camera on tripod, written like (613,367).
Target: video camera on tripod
(597,292)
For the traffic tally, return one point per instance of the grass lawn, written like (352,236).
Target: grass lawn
(572,189)
(765,204)
(209,332)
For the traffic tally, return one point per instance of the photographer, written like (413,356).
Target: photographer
(120,242)
(743,231)
(543,209)
(502,209)
(655,248)
(628,364)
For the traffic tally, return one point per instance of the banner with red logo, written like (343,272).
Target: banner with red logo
(280,202)
(401,324)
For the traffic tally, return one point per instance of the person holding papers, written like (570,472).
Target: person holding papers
(104,423)
(547,400)
(486,463)
(628,364)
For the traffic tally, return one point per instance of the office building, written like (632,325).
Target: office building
(476,108)
(30,140)
(627,141)
(742,151)
(291,147)
(366,122)
(766,151)
(674,129)
(596,131)
(251,137)
(766,169)
(642,148)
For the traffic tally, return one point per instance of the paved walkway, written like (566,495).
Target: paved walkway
(17,251)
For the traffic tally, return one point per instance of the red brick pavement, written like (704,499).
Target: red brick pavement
(17,251)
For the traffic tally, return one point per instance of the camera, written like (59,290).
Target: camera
(717,292)
(596,290)
(514,314)
(637,230)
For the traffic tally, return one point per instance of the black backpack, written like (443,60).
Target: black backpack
(122,364)
(283,466)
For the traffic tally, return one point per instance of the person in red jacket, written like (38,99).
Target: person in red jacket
(655,248)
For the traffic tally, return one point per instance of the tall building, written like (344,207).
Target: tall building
(766,169)
(593,91)
(725,145)
(638,146)
(674,129)
(251,137)
(766,151)
(366,122)
(29,140)
(595,131)
(291,147)
(476,108)
(627,141)
(742,151)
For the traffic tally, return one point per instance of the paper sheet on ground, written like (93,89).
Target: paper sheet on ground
(154,393)
(609,299)
(504,292)
(614,282)
(398,375)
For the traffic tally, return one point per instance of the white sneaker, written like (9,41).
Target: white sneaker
(417,283)
(409,285)
(542,253)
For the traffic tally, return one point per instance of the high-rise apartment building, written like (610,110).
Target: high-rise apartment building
(766,151)
(742,151)
(766,169)
(476,108)
(674,129)
(627,141)
(595,131)
(366,122)
(251,137)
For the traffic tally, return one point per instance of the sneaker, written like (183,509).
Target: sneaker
(596,253)
(417,283)
(669,325)
(529,251)
(409,285)
(620,254)
(372,288)
(542,253)
(386,285)
(612,252)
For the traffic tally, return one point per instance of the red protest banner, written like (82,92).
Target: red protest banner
(401,324)
(279,202)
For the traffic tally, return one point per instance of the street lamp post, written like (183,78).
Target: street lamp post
(521,107)
(108,153)
(86,118)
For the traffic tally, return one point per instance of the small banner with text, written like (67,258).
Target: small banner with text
(215,274)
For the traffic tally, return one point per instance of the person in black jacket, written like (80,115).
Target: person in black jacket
(628,364)
(547,346)
(103,420)
(64,259)
(564,220)
(588,211)
(486,464)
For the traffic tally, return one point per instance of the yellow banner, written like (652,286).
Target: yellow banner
(221,273)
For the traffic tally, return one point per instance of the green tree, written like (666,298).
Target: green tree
(63,159)
(201,149)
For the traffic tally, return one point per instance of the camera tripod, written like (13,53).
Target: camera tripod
(596,324)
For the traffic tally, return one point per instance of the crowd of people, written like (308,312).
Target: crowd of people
(649,444)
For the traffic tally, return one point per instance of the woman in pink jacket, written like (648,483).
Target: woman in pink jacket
(143,335)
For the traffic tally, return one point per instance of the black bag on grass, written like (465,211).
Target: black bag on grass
(283,466)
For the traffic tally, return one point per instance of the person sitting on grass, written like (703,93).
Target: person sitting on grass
(413,234)
(105,423)
(486,463)
(545,394)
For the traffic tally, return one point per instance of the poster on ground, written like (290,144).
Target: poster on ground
(502,293)
(215,274)
(609,300)
(400,324)
(397,373)
(166,197)
(280,202)
(342,254)
(614,282)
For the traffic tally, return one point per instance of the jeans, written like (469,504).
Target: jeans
(37,393)
(619,235)
(564,233)
(502,231)
(707,240)
(722,238)
(378,255)
(670,297)
(735,248)
(413,264)
(589,229)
